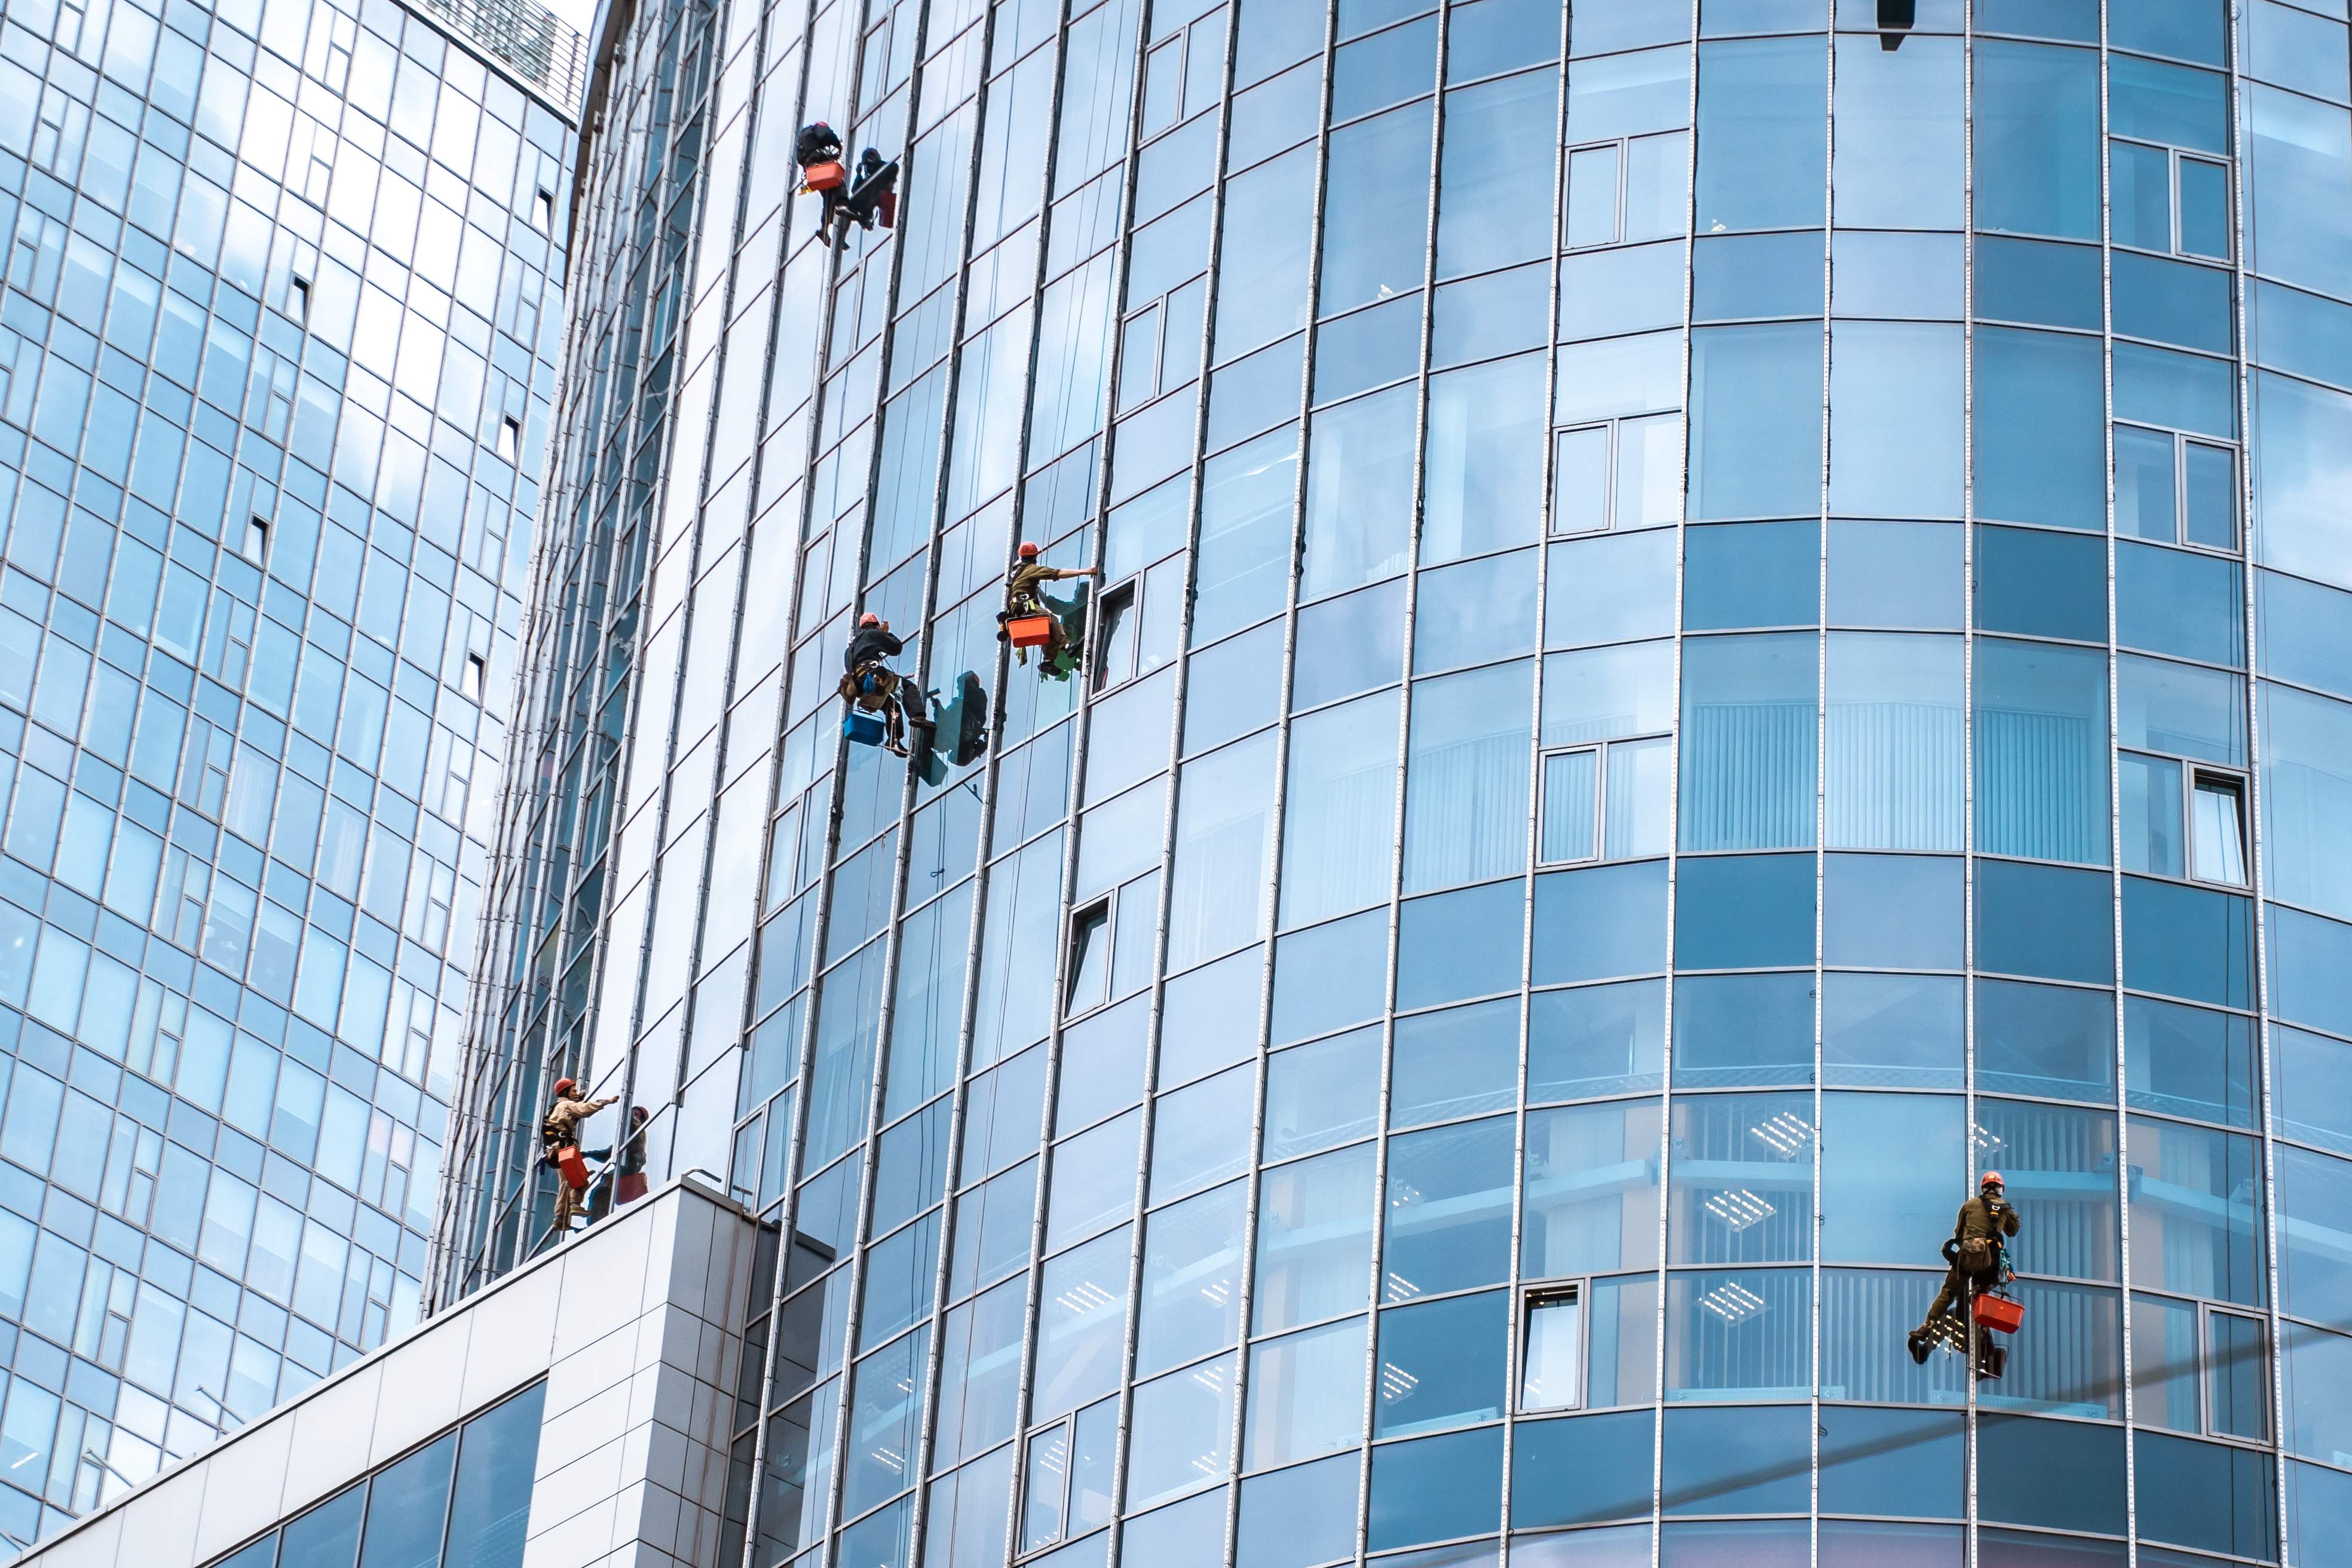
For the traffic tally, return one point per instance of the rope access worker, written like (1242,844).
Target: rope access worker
(1978,1264)
(871,686)
(1024,599)
(870,198)
(558,1145)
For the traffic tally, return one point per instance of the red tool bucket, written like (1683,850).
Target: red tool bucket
(1999,1312)
(1030,631)
(823,177)
(568,1160)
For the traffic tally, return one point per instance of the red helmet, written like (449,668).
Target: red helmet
(564,1086)
(1028,550)
(1990,1179)
(869,619)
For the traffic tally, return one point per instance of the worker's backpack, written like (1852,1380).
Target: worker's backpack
(1976,1256)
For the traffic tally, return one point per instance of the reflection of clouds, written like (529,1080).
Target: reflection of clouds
(2302,465)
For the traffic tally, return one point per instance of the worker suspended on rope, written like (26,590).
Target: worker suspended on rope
(1979,1266)
(1027,621)
(870,198)
(876,694)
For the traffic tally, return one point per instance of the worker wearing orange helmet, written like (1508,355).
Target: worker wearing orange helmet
(1024,596)
(1979,1233)
(559,1145)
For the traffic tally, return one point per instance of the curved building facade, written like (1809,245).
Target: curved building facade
(1714,618)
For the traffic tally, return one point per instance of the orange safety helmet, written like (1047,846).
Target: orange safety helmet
(1028,550)
(564,1086)
(1990,1179)
(869,619)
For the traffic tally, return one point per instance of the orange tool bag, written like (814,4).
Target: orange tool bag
(827,176)
(1030,631)
(1999,1312)
(573,1165)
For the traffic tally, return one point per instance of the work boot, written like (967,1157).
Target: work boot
(1919,1345)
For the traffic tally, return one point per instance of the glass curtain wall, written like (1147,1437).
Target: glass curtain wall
(1693,650)
(277,342)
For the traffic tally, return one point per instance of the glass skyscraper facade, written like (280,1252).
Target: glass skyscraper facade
(276,350)
(1715,619)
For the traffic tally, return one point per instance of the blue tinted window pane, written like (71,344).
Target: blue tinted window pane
(2037,140)
(1449,1225)
(407,1505)
(1347,646)
(1314,1240)
(1465,943)
(2179,603)
(326,1537)
(1500,314)
(1891,912)
(2204,1495)
(1610,589)
(1599,924)
(1895,419)
(489,1507)
(1359,496)
(2186,1061)
(1897,742)
(2196,1203)
(1493,204)
(1629,289)
(1890,1165)
(1763,147)
(1756,421)
(2187,941)
(2307,771)
(1901,152)
(2041,1040)
(2185,107)
(1581,1471)
(1892,1031)
(2188,392)
(1475,612)
(1891,274)
(2060,1475)
(1387,68)
(2314,1079)
(1482,458)
(1751,575)
(2040,751)
(1367,349)
(1302,1515)
(1595,1041)
(1869,1455)
(1742,1333)
(2319,1507)
(2168,707)
(1733,1030)
(2043,584)
(1742,1182)
(2083,1374)
(1631,93)
(2185,29)
(1455,1063)
(1593,1190)
(1895,575)
(2031,280)
(1736,278)
(2075,20)
(1749,723)
(2173,303)
(2299,438)
(1466,777)
(1322,1094)
(1745,911)
(2041,921)
(1330,977)
(1338,830)
(2315,1279)
(1441,1364)
(1437,1488)
(1737,1461)
(2041,443)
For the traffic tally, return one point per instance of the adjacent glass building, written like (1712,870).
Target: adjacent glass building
(1715,618)
(275,349)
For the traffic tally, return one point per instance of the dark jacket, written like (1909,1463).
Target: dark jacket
(1977,1220)
(870,643)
